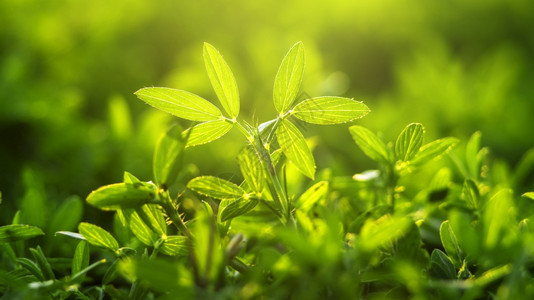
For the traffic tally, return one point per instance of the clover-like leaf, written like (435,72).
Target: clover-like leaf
(329,110)
(174,245)
(233,208)
(222,80)
(294,146)
(168,156)
(288,79)
(434,150)
(215,187)
(180,103)
(409,141)
(450,244)
(204,133)
(370,143)
(121,195)
(18,232)
(251,168)
(97,236)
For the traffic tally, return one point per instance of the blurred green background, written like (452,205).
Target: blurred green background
(69,121)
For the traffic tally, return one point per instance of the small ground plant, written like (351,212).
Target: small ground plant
(372,236)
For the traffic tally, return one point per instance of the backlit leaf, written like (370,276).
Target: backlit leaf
(330,110)
(17,232)
(434,150)
(180,103)
(222,80)
(251,168)
(294,146)
(370,143)
(121,195)
(139,228)
(471,154)
(97,236)
(175,245)
(313,195)
(168,156)
(288,79)
(215,187)
(67,216)
(206,132)
(409,141)
(233,208)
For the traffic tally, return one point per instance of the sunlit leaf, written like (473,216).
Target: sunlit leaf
(312,195)
(222,80)
(471,154)
(233,208)
(288,79)
(215,187)
(180,103)
(174,245)
(206,132)
(370,143)
(498,219)
(450,244)
(470,193)
(141,230)
(17,232)
(97,236)
(409,141)
(330,110)
(168,154)
(294,146)
(251,168)
(121,195)
(383,231)
(434,150)
(529,195)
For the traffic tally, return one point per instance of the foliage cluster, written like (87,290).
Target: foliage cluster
(286,229)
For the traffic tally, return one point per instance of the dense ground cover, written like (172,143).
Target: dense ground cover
(377,206)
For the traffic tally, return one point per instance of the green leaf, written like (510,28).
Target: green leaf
(215,187)
(32,267)
(470,193)
(222,80)
(294,146)
(450,244)
(233,208)
(370,143)
(141,230)
(153,217)
(471,154)
(288,79)
(121,195)
(204,133)
(174,245)
(97,236)
(67,216)
(313,195)
(251,169)
(43,263)
(180,103)
(17,232)
(498,219)
(409,141)
(111,272)
(168,154)
(441,265)
(379,233)
(529,195)
(80,260)
(329,110)
(434,150)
